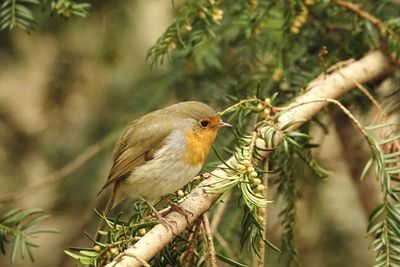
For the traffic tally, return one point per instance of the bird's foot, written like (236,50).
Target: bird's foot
(170,225)
(177,208)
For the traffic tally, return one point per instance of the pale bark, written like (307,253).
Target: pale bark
(334,85)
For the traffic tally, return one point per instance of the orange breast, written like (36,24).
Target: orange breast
(199,144)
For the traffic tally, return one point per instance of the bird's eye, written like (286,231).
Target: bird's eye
(204,123)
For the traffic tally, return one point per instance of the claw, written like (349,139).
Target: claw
(177,208)
(170,225)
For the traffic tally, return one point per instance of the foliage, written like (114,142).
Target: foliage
(17,228)
(123,233)
(384,222)
(19,13)
(393,36)
(278,46)
(194,21)
(293,161)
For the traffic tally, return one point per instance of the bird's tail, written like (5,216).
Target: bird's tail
(107,210)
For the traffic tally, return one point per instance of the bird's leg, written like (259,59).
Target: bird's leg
(159,217)
(177,208)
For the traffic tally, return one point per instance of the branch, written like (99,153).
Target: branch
(370,67)
(187,256)
(60,174)
(376,22)
(362,13)
(209,241)
(219,213)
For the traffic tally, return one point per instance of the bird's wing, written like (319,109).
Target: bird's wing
(137,144)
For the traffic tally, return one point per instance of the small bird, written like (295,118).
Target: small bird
(161,152)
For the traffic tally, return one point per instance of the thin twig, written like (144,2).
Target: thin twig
(376,22)
(322,53)
(219,212)
(238,104)
(209,240)
(187,256)
(362,13)
(343,108)
(60,174)
(225,245)
(366,93)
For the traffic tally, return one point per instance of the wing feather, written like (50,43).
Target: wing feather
(137,143)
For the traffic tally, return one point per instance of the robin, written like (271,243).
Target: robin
(161,152)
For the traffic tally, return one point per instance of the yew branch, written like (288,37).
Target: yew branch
(331,86)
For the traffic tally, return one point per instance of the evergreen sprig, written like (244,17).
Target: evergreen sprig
(288,191)
(19,13)
(289,156)
(122,233)
(289,148)
(67,8)
(290,159)
(189,29)
(17,228)
(384,221)
(393,37)
(389,30)
(119,236)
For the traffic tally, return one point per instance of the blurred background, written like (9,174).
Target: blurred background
(68,89)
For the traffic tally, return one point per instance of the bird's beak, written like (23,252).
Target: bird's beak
(225,125)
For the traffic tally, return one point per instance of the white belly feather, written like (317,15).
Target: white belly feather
(164,174)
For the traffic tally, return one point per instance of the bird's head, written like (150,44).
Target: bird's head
(198,116)
(200,124)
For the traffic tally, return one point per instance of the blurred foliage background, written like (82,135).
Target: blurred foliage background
(72,85)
